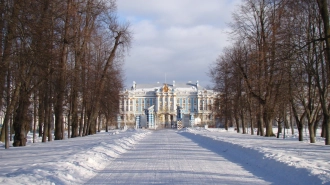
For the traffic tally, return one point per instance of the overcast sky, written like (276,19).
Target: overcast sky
(179,38)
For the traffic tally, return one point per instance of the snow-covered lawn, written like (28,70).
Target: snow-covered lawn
(77,160)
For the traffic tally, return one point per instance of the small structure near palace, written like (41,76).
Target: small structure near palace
(162,105)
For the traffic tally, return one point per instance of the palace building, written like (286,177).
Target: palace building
(162,105)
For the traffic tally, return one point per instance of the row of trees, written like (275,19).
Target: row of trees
(277,67)
(59,58)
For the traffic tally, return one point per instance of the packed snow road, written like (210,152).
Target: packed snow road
(172,157)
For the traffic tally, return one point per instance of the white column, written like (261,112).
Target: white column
(168,103)
(157,103)
(174,103)
(125,109)
(163,101)
(206,104)
(197,103)
(129,104)
(202,98)
(125,104)
(120,103)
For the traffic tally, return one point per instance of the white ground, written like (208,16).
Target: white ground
(189,156)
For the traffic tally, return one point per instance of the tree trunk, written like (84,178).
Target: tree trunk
(327,129)
(237,123)
(279,128)
(41,113)
(311,132)
(251,120)
(74,109)
(260,123)
(46,114)
(59,131)
(3,69)
(11,121)
(226,123)
(34,116)
(323,7)
(252,127)
(5,59)
(50,122)
(291,124)
(59,120)
(21,120)
(81,122)
(106,123)
(45,130)
(99,123)
(243,123)
(6,135)
(69,123)
(9,111)
(316,125)
(268,123)
(300,130)
(323,131)
(85,122)
(74,97)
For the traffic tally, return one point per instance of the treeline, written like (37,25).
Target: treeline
(59,59)
(277,68)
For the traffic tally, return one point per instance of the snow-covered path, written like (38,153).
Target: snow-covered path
(171,157)
(189,156)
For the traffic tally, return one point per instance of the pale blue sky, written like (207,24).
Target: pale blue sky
(181,38)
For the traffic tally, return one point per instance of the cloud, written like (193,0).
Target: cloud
(183,12)
(179,38)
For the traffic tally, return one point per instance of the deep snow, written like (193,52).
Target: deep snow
(77,160)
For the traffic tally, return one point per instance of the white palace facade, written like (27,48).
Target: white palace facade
(162,105)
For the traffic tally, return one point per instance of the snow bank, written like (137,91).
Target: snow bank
(75,168)
(315,158)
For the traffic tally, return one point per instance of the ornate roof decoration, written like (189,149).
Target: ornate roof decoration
(165,88)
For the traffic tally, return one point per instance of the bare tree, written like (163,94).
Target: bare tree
(48,51)
(323,85)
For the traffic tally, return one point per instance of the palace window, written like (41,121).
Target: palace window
(130,105)
(205,105)
(160,106)
(189,106)
(184,104)
(148,103)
